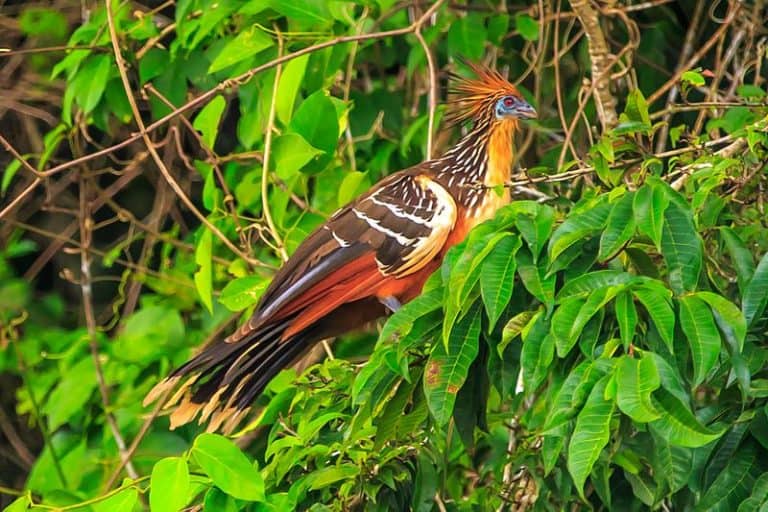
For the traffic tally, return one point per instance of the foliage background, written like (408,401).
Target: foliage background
(149,194)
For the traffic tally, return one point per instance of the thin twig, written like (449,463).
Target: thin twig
(267,153)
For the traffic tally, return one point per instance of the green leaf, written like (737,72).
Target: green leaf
(704,339)
(316,120)
(677,423)
(323,477)
(636,109)
(243,292)
(527,26)
(204,275)
(465,273)
(590,435)
(619,228)
(635,380)
(626,316)
(538,351)
(513,329)
(595,280)
(741,257)
(578,226)
(573,393)
(207,121)
(91,81)
(733,484)
(692,77)
(246,44)
(169,485)
(290,83)
(467,37)
(350,186)
(447,367)
(540,286)
(20,504)
(649,205)
(290,153)
(312,12)
(535,226)
(71,393)
(569,319)
(674,462)
(497,277)
(124,501)
(660,311)
(728,317)
(228,467)
(10,171)
(681,248)
(755,296)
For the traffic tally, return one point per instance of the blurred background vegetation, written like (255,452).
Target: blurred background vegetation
(162,159)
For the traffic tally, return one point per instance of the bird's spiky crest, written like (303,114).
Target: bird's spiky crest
(472,98)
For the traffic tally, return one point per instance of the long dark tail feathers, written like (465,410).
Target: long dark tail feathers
(221,382)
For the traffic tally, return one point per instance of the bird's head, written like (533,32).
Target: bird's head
(488,97)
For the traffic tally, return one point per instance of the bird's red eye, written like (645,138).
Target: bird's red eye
(508,101)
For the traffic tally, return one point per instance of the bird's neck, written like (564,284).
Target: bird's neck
(482,159)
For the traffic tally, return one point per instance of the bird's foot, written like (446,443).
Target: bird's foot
(391,303)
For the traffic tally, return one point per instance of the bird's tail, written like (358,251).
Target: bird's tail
(220,382)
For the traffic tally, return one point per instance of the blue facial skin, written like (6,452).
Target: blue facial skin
(513,106)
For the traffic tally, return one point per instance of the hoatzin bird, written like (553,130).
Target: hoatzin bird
(372,255)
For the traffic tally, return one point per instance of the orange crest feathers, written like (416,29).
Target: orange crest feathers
(471,98)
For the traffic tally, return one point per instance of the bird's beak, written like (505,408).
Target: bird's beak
(525,111)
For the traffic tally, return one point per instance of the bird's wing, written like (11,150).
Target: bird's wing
(391,232)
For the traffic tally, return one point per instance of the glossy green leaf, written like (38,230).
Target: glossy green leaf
(569,319)
(590,435)
(733,484)
(243,292)
(207,120)
(465,274)
(513,328)
(71,393)
(325,477)
(305,11)
(317,122)
(755,297)
(537,353)
(728,317)
(467,36)
(448,365)
(204,274)
(527,27)
(246,44)
(626,316)
(535,226)
(578,226)
(573,393)
(169,485)
(650,203)
(124,501)
(290,153)
(619,229)
(703,337)
(350,187)
(594,280)
(681,248)
(288,89)
(535,279)
(660,311)
(677,423)
(636,379)
(228,467)
(742,260)
(674,462)
(91,81)
(497,277)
